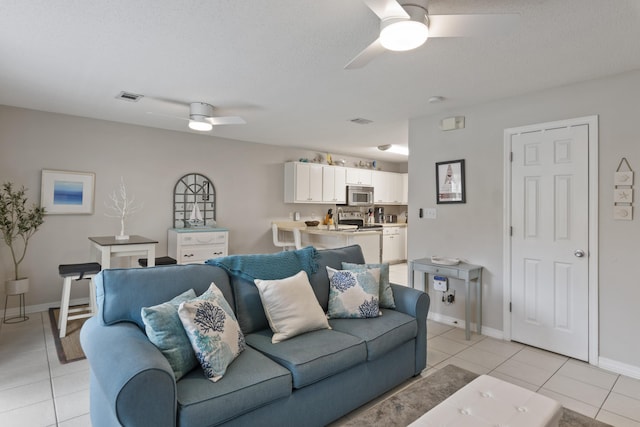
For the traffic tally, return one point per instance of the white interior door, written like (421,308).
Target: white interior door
(550,239)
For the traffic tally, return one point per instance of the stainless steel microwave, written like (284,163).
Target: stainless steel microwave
(359,195)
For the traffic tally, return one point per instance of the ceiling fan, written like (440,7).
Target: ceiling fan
(406,25)
(202,118)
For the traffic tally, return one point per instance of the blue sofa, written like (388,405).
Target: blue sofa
(311,380)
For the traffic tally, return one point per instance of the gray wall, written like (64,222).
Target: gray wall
(473,231)
(248,178)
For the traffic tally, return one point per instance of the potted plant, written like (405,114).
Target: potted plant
(17,224)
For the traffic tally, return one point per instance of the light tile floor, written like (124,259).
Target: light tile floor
(36,390)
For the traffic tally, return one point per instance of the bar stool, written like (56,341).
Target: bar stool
(76,272)
(163,260)
(284,244)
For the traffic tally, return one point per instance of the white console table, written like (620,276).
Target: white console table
(196,245)
(462,271)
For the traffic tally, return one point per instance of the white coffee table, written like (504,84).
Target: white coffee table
(489,402)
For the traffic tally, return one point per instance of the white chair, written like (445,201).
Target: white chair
(297,238)
(76,272)
(284,244)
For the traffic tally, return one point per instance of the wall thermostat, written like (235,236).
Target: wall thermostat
(440,283)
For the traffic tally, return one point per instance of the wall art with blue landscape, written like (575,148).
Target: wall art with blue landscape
(67,193)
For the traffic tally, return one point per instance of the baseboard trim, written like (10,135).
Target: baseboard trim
(459,323)
(30,309)
(619,367)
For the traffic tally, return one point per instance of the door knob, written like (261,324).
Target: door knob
(579,253)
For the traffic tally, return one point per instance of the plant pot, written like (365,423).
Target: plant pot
(17,287)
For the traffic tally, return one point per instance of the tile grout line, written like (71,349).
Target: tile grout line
(46,349)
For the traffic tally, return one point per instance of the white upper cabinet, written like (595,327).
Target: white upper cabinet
(388,188)
(359,176)
(405,188)
(334,184)
(302,183)
(316,183)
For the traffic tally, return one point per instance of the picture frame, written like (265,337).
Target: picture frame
(450,182)
(67,192)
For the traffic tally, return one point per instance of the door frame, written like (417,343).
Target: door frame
(593,257)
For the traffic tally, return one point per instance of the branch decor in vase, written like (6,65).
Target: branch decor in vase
(122,207)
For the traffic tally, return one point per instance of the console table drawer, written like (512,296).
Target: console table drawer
(443,271)
(202,238)
(199,254)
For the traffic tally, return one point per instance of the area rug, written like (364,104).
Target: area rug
(408,404)
(68,348)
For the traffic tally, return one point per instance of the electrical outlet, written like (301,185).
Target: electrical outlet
(431,213)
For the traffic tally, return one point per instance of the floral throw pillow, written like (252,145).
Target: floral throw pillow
(213,331)
(353,294)
(386,294)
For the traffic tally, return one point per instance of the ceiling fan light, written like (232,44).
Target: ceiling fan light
(396,149)
(400,34)
(200,125)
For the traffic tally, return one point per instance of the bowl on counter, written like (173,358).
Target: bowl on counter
(312,223)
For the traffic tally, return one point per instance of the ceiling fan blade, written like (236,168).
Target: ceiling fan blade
(366,56)
(471,25)
(386,8)
(227,120)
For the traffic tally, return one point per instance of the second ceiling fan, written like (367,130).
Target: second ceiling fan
(406,25)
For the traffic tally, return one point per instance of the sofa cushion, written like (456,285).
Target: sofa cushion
(332,258)
(291,306)
(249,310)
(251,381)
(213,331)
(312,356)
(381,334)
(386,294)
(164,329)
(122,292)
(353,294)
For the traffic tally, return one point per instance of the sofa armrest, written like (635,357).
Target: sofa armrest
(414,303)
(131,372)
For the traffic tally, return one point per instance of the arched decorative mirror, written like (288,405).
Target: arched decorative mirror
(194,202)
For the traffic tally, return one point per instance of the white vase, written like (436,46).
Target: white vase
(16,287)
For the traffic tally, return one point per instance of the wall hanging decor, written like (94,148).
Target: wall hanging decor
(623,192)
(450,186)
(67,192)
(194,202)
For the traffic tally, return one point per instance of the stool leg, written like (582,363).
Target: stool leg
(92,297)
(64,306)
(6,300)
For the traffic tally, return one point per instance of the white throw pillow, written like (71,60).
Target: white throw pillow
(291,306)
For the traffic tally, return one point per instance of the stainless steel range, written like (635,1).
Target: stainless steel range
(358,219)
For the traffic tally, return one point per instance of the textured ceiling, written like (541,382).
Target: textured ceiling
(279,63)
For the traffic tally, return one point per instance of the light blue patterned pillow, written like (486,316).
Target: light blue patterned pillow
(386,294)
(353,294)
(213,331)
(164,329)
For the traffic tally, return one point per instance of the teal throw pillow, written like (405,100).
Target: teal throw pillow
(213,331)
(164,329)
(353,294)
(386,294)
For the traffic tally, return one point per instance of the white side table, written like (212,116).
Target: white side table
(109,246)
(462,271)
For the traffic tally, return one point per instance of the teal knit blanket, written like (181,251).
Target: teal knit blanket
(269,266)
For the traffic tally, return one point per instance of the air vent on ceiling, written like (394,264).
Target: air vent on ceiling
(361,121)
(128,96)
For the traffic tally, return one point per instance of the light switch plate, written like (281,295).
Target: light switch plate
(431,213)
